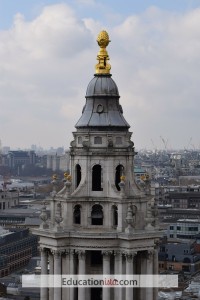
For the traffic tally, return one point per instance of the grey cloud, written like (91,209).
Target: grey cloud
(46,64)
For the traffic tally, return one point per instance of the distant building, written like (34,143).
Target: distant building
(176,256)
(17,246)
(184,229)
(20,217)
(8,199)
(58,162)
(139,172)
(17,159)
(178,196)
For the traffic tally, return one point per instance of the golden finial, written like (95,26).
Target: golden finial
(69,177)
(103,67)
(65,175)
(122,178)
(54,177)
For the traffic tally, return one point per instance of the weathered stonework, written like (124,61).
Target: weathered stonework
(101,217)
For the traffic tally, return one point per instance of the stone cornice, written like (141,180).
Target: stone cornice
(137,235)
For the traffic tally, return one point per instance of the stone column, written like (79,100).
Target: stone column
(118,271)
(129,271)
(57,271)
(143,271)
(51,272)
(149,291)
(81,268)
(155,271)
(66,271)
(72,272)
(106,270)
(44,271)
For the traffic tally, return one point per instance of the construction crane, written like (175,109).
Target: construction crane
(165,142)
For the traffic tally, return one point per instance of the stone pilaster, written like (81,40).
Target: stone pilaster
(106,270)
(129,271)
(72,271)
(57,271)
(143,271)
(44,271)
(65,271)
(155,268)
(51,272)
(149,271)
(118,271)
(81,267)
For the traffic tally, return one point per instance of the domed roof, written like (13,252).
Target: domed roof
(102,85)
(102,108)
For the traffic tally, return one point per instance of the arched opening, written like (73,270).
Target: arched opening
(77,214)
(118,174)
(115,215)
(78,175)
(97,215)
(187,260)
(96,178)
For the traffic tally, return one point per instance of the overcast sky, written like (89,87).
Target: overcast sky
(47,56)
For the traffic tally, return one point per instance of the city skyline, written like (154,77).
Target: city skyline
(48,56)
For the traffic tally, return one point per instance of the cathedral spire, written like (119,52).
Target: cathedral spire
(103,67)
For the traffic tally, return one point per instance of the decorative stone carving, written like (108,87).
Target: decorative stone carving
(54,183)
(150,254)
(43,250)
(44,217)
(86,144)
(117,253)
(107,253)
(58,218)
(73,144)
(65,191)
(149,218)
(81,254)
(110,143)
(58,252)
(129,220)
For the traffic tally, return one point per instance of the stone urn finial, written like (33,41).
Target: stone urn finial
(54,183)
(129,219)
(149,217)
(58,217)
(44,217)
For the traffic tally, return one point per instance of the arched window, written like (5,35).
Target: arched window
(97,215)
(115,215)
(77,214)
(78,175)
(118,174)
(96,178)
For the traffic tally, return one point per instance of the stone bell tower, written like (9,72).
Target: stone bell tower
(101,221)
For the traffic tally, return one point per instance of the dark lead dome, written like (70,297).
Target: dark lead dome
(102,109)
(102,85)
